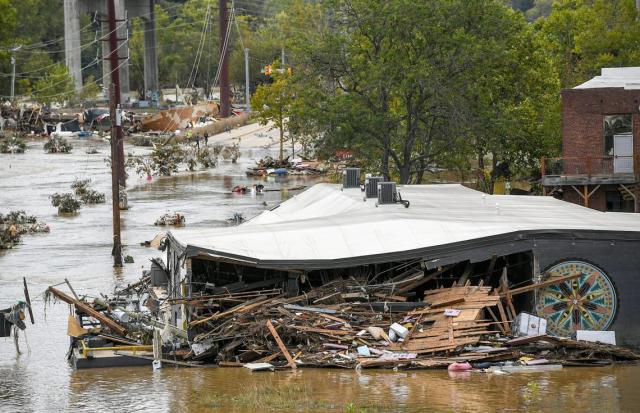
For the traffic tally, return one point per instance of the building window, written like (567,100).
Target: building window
(616,202)
(615,125)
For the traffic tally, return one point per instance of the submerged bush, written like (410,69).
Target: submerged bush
(80,186)
(91,196)
(13,145)
(57,144)
(207,158)
(165,159)
(17,223)
(66,203)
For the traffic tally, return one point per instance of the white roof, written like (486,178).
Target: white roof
(326,223)
(624,77)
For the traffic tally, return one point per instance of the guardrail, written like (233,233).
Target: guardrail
(590,166)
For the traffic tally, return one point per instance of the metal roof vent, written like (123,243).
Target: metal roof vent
(387,194)
(351,178)
(371,186)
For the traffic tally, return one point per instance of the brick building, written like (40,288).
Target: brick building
(600,163)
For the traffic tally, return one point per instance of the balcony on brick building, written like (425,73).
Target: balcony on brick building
(600,163)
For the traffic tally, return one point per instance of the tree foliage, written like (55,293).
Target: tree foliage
(460,77)
(55,86)
(582,36)
(272,102)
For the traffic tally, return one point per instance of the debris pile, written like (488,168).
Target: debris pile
(344,323)
(57,144)
(271,166)
(17,223)
(169,218)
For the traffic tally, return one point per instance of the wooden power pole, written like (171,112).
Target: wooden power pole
(225,95)
(116,131)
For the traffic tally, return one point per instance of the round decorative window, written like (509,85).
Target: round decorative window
(585,303)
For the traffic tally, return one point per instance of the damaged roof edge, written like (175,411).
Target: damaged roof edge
(503,244)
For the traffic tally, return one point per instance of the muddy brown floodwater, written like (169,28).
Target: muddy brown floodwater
(78,248)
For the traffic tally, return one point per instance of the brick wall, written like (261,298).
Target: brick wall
(582,118)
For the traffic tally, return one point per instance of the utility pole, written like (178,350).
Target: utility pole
(282,56)
(225,109)
(246,79)
(116,132)
(13,71)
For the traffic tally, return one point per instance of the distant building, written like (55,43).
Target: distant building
(600,163)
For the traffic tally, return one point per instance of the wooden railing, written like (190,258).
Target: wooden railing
(590,166)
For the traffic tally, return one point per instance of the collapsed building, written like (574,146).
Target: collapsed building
(412,239)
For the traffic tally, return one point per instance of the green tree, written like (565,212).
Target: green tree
(55,86)
(272,102)
(582,36)
(458,78)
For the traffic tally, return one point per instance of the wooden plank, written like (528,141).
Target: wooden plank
(447,302)
(28,300)
(390,297)
(281,345)
(268,358)
(503,317)
(294,307)
(422,281)
(504,282)
(87,309)
(241,308)
(333,318)
(543,284)
(321,330)
(499,324)
(71,289)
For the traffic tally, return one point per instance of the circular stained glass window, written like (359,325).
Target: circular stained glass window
(584,303)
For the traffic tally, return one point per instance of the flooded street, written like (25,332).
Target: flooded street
(78,248)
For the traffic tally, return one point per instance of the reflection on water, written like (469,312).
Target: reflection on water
(78,248)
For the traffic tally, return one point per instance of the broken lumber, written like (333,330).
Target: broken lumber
(87,309)
(281,345)
(543,284)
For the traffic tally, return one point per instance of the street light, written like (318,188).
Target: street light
(13,73)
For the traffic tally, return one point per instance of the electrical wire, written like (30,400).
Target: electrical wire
(196,60)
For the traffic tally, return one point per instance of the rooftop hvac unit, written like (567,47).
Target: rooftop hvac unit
(386,193)
(371,186)
(351,178)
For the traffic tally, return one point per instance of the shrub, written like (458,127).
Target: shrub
(66,203)
(57,144)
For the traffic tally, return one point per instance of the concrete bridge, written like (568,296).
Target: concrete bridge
(125,9)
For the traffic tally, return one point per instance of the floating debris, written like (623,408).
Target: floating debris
(171,219)
(237,218)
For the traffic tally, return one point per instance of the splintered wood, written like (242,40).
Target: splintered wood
(451,332)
